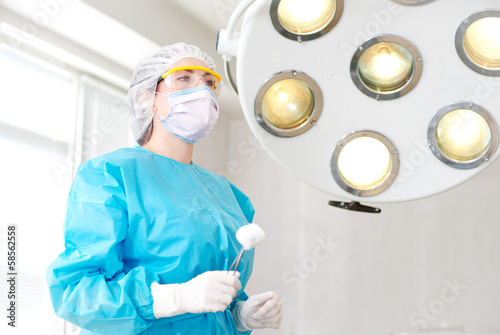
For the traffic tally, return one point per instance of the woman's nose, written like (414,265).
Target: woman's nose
(200,81)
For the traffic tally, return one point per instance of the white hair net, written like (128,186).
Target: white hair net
(144,80)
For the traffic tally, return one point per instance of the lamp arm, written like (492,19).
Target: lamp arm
(227,40)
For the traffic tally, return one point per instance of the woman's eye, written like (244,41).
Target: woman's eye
(210,83)
(184,78)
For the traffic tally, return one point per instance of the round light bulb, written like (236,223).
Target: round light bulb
(386,67)
(288,104)
(482,42)
(364,163)
(306,17)
(463,135)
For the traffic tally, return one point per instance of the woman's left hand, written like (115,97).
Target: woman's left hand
(261,311)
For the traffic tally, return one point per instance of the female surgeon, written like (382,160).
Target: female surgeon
(149,235)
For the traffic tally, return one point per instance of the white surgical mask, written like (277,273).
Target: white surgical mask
(193,113)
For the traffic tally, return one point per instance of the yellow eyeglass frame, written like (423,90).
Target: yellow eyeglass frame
(217,76)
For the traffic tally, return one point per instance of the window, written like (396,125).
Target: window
(52,118)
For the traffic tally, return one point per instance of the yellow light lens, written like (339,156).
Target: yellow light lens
(386,67)
(288,104)
(463,135)
(364,163)
(482,42)
(306,17)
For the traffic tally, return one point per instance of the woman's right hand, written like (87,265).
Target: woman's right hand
(211,291)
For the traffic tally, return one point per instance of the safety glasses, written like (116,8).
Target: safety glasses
(184,77)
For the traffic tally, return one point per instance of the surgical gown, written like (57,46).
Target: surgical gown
(134,218)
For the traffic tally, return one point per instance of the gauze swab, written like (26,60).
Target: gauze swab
(248,236)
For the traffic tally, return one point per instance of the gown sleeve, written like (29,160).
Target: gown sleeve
(87,282)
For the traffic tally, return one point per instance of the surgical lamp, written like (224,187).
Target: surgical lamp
(367,100)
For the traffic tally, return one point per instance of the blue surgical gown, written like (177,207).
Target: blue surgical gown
(134,218)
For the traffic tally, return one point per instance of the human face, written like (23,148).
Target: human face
(161,104)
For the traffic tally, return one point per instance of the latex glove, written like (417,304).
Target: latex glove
(261,311)
(211,291)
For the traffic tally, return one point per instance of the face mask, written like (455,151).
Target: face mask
(193,113)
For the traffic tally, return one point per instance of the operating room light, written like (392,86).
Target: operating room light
(305,17)
(288,103)
(477,42)
(386,67)
(482,42)
(463,135)
(390,97)
(364,163)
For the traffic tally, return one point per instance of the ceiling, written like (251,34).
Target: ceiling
(214,14)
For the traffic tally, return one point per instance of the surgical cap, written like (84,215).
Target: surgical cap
(142,90)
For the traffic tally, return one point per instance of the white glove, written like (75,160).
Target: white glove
(259,311)
(211,291)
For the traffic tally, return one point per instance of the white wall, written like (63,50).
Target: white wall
(341,272)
